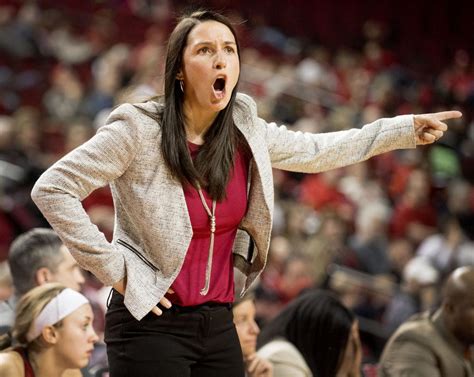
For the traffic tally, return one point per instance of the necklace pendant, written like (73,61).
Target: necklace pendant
(213,224)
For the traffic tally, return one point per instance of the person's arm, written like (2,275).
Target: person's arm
(312,153)
(408,358)
(59,191)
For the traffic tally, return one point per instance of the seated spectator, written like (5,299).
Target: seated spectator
(400,252)
(296,277)
(449,249)
(37,257)
(247,330)
(322,193)
(330,245)
(439,344)
(53,334)
(416,293)
(414,215)
(369,241)
(279,252)
(315,335)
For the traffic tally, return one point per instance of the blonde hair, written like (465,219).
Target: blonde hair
(27,310)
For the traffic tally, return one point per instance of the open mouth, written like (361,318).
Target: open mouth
(219,84)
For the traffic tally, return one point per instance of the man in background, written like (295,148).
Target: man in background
(37,257)
(438,344)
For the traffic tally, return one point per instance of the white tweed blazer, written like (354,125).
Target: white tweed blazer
(152,226)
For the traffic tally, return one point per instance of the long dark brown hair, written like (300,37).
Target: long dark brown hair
(212,166)
(318,325)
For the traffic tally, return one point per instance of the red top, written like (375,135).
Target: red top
(405,215)
(229,214)
(26,363)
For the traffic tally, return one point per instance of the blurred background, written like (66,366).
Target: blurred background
(382,234)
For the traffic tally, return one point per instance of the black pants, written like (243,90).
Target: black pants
(182,342)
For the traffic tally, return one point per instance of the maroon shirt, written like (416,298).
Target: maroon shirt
(229,213)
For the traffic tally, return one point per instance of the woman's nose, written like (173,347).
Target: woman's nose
(220,62)
(254,327)
(94,337)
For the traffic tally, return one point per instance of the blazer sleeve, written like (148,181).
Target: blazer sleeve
(59,191)
(313,153)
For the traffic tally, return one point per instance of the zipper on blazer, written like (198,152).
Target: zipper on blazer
(138,254)
(251,247)
(250,250)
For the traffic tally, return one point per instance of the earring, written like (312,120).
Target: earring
(181,85)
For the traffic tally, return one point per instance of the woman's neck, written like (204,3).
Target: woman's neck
(46,364)
(197,123)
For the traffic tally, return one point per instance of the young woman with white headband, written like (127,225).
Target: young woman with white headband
(52,335)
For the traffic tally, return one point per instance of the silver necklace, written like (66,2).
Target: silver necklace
(212,226)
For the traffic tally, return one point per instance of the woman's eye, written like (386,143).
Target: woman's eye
(204,50)
(240,320)
(229,50)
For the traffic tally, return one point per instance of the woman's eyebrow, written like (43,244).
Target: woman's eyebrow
(212,43)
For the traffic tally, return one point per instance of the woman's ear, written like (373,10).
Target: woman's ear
(179,75)
(50,335)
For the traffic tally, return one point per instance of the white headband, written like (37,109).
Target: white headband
(59,307)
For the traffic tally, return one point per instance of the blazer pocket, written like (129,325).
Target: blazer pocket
(138,254)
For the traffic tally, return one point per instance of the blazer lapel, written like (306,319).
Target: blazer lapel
(258,219)
(247,123)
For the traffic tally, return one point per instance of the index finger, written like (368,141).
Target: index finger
(443,115)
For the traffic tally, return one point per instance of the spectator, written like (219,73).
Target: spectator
(64,99)
(414,216)
(415,293)
(53,333)
(321,191)
(247,330)
(296,277)
(400,252)
(439,344)
(369,241)
(329,245)
(38,257)
(448,249)
(315,335)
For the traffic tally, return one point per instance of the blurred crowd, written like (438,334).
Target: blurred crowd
(383,235)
